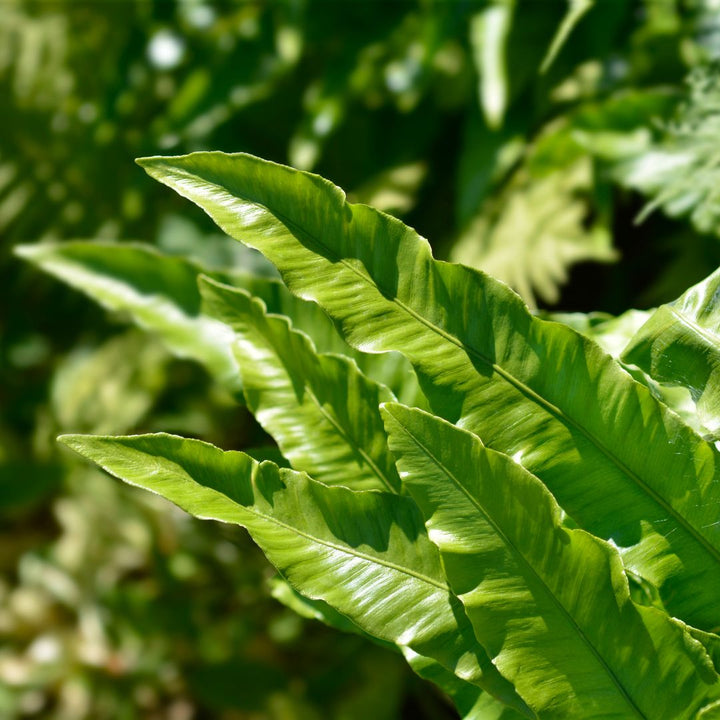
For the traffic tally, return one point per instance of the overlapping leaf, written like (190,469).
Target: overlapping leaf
(613,335)
(471,702)
(619,463)
(366,554)
(322,411)
(552,606)
(160,294)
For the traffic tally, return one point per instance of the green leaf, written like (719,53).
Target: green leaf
(471,702)
(365,554)
(619,463)
(320,409)
(552,606)
(160,294)
(613,335)
(159,291)
(680,172)
(575,12)
(285,593)
(680,345)
(610,333)
(489,31)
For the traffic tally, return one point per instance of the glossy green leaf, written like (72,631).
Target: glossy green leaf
(552,606)
(366,554)
(610,333)
(619,463)
(613,335)
(471,702)
(680,345)
(320,409)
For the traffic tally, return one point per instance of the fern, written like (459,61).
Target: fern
(533,529)
(680,171)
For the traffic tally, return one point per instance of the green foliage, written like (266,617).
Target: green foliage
(678,345)
(523,138)
(555,546)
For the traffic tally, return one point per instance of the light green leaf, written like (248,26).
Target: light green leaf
(680,173)
(613,335)
(471,702)
(552,606)
(575,12)
(489,30)
(680,345)
(619,463)
(320,409)
(160,292)
(365,554)
(285,593)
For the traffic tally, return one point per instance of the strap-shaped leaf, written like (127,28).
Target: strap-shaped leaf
(366,554)
(680,344)
(160,294)
(618,462)
(159,291)
(552,606)
(322,411)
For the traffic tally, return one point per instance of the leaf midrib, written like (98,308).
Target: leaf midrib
(564,612)
(269,518)
(346,437)
(705,333)
(508,377)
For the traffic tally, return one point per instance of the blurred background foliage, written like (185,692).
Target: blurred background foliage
(568,147)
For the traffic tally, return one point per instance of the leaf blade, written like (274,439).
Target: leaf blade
(551,605)
(320,409)
(680,345)
(363,553)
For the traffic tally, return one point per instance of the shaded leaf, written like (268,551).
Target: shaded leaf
(680,345)
(161,295)
(159,291)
